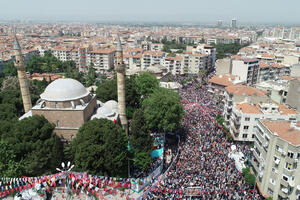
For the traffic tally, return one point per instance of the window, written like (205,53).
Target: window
(275,170)
(58,123)
(245,135)
(285,178)
(278,148)
(246,127)
(272,181)
(56,104)
(247,118)
(288,166)
(270,191)
(290,154)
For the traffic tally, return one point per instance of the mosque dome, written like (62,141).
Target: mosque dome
(64,90)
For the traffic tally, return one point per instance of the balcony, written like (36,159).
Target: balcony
(235,131)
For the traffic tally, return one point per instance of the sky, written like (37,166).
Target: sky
(201,11)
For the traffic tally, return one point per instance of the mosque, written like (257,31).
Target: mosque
(68,104)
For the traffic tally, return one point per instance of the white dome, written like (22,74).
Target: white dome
(64,90)
(112,105)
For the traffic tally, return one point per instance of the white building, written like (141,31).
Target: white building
(245,116)
(275,160)
(246,68)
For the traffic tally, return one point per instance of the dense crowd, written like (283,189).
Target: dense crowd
(203,167)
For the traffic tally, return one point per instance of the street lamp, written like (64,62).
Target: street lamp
(66,170)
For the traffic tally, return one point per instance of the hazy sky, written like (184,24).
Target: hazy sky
(271,11)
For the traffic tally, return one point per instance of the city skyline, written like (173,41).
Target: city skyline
(157,11)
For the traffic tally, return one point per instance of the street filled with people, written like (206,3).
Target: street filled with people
(203,169)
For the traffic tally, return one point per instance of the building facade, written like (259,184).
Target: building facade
(275,160)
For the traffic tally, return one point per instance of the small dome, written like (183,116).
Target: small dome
(64,90)
(111,105)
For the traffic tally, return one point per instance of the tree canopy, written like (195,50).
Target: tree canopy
(146,84)
(163,110)
(140,138)
(141,141)
(36,147)
(100,147)
(227,49)
(91,76)
(107,90)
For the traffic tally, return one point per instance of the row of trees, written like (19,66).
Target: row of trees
(223,50)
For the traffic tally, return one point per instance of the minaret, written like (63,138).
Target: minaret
(120,68)
(21,68)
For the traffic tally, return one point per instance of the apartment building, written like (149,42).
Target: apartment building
(246,68)
(217,84)
(275,159)
(103,59)
(150,58)
(61,53)
(293,96)
(245,116)
(173,64)
(238,93)
(272,71)
(277,90)
(156,47)
(205,50)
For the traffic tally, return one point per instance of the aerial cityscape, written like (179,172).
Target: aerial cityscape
(149,100)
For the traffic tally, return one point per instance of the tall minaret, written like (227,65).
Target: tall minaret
(120,68)
(21,68)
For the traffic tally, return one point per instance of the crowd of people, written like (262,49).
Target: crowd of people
(203,168)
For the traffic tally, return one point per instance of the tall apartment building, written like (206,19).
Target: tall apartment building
(150,58)
(174,64)
(275,159)
(293,96)
(271,71)
(245,116)
(238,93)
(246,68)
(233,23)
(63,54)
(103,59)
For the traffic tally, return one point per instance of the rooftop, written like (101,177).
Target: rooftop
(285,130)
(242,90)
(248,108)
(64,90)
(224,80)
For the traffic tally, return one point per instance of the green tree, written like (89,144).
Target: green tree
(163,110)
(35,145)
(91,76)
(250,179)
(132,96)
(220,119)
(245,171)
(7,111)
(9,167)
(227,49)
(12,97)
(107,90)
(140,138)
(146,84)
(142,159)
(141,142)
(9,69)
(100,147)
